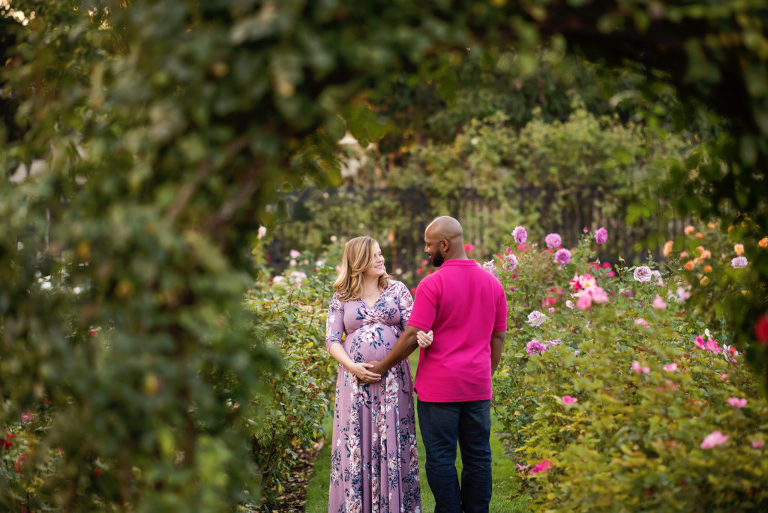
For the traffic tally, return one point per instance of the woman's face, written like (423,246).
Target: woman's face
(377,266)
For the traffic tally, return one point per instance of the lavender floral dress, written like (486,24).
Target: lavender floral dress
(374,460)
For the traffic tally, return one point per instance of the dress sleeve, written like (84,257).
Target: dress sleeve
(405,302)
(334,324)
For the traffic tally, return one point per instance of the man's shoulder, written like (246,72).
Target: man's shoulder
(430,282)
(489,279)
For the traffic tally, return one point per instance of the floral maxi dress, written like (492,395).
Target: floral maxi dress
(374,460)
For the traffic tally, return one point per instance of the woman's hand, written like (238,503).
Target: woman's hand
(424,339)
(360,370)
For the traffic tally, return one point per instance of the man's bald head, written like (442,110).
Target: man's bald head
(445,227)
(444,240)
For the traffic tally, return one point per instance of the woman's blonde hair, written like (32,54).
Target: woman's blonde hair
(358,258)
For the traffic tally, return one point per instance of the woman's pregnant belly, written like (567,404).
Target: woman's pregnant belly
(370,342)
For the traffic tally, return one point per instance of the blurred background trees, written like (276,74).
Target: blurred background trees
(142,141)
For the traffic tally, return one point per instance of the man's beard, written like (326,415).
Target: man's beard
(437,259)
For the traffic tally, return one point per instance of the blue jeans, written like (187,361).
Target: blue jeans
(469,424)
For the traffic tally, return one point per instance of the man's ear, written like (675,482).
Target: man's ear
(445,245)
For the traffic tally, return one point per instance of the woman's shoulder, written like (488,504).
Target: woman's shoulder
(336,299)
(396,286)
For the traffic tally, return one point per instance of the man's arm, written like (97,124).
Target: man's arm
(403,347)
(497,342)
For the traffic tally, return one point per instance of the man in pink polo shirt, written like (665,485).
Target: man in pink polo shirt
(466,308)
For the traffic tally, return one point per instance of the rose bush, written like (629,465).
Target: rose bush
(636,403)
(723,266)
(283,418)
(290,314)
(26,463)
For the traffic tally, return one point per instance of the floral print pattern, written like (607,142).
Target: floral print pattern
(374,459)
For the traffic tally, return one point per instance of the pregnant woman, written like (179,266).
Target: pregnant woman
(374,461)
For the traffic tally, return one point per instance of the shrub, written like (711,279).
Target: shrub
(26,463)
(723,266)
(642,396)
(291,312)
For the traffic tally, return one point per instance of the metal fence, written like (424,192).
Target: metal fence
(487,219)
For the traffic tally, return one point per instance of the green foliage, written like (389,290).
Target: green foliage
(550,175)
(705,259)
(25,463)
(165,127)
(632,441)
(291,318)
(447,95)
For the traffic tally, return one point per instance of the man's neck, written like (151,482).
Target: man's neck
(457,256)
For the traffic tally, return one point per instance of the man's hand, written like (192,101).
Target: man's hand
(364,373)
(376,367)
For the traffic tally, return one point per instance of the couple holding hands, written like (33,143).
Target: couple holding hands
(458,318)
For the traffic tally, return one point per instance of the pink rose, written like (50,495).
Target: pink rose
(658,303)
(737,402)
(519,234)
(567,399)
(598,295)
(712,346)
(601,235)
(670,367)
(553,240)
(714,439)
(584,302)
(641,369)
(541,467)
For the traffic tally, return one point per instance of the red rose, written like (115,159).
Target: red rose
(761,329)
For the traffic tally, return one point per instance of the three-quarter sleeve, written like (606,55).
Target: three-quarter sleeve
(334,324)
(405,302)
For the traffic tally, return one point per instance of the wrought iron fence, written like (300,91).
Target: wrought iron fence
(487,219)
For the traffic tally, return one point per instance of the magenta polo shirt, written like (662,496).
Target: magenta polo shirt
(463,304)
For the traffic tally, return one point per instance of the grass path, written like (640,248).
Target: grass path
(505,481)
